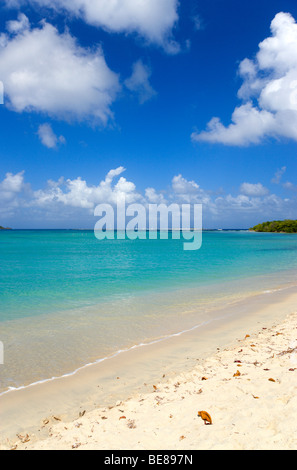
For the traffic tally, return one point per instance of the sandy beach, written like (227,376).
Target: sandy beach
(248,388)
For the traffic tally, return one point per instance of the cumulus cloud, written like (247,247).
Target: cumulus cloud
(269,92)
(114,173)
(47,72)
(78,193)
(153,20)
(153,197)
(11,189)
(249,126)
(254,190)
(48,138)
(19,25)
(189,192)
(139,82)
(11,185)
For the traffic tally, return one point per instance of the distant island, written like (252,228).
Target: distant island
(280,226)
(4,228)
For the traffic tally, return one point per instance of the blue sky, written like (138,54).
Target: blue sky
(164,101)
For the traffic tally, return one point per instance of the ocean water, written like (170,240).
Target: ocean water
(68,299)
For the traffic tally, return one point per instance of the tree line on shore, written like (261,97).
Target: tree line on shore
(283,226)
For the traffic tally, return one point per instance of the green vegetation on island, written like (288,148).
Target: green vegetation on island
(280,226)
(4,228)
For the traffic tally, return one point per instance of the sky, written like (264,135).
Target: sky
(160,101)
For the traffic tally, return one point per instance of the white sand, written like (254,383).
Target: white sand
(254,410)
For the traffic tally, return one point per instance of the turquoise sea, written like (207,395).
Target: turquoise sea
(68,299)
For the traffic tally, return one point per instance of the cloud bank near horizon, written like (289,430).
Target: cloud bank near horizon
(67,200)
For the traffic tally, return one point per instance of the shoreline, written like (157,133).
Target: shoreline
(107,358)
(212,312)
(121,378)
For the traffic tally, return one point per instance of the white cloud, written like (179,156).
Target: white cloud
(246,211)
(11,189)
(77,193)
(182,186)
(48,137)
(153,20)
(278,175)
(11,185)
(139,82)
(17,26)
(290,186)
(269,89)
(152,197)
(47,72)
(114,173)
(72,201)
(254,190)
(249,125)
(185,191)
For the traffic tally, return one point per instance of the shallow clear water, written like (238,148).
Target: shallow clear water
(68,299)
